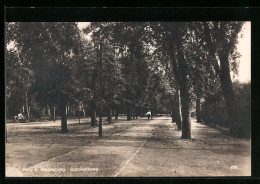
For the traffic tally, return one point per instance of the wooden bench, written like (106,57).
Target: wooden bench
(19,120)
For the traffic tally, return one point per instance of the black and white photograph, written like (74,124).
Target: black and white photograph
(128,99)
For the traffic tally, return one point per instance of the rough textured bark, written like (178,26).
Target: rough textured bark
(185,110)
(180,73)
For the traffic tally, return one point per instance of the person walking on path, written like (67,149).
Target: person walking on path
(149,115)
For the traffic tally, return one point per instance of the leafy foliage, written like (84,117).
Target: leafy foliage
(143,65)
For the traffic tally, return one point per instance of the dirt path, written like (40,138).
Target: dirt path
(209,153)
(32,143)
(135,148)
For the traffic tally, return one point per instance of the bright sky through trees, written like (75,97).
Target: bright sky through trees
(244,48)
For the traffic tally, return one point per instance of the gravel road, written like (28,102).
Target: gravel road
(135,148)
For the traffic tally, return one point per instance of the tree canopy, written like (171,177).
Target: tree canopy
(165,67)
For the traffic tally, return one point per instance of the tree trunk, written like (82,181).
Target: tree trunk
(226,86)
(173,115)
(109,117)
(180,73)
(43,111)
(116,114)
(133,115)
(198,113)
(129,112)
(225,80)
(113,112)
(73,112)
(178,115)
(51,112)
(62,107)
(54,113)
(83,110)
(27,106)
(79,116)
(173,111)
(185,109)
(93,115)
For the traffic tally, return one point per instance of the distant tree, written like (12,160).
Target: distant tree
(131,38)
(102,35)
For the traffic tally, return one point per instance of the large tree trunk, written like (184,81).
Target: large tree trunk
(184,93)
(62,107)
(198,113)
(180,72)
(226,84)
(185,110)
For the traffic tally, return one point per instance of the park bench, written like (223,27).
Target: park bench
(19,119)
